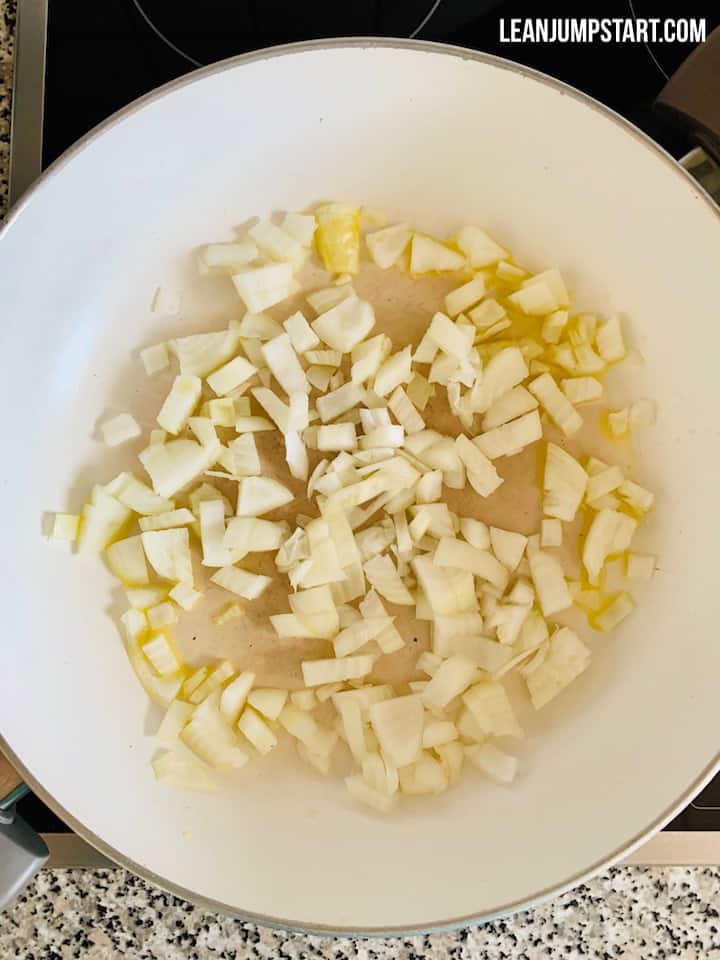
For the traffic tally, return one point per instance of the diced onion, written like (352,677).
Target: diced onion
(429,256)
(120,429)
(388,245)
(556,404)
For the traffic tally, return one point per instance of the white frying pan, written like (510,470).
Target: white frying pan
(442,137)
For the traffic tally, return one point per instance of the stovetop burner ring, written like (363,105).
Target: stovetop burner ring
(196,63)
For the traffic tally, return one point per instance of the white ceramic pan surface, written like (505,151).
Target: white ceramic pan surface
(442,138)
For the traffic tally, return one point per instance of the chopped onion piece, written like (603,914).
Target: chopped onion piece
(510,405)
(296,455)
(168,552)
(284,364)
(637,497)
(493,762)
(231,375)
(451,340)
(258,495)
(317,672)
(338,237)
(475,532)
(429,488)
(609,339)
(126,559)
(619,422)
(482,475)
(301,226)
(383,437)
(163,615)
(552,281)
(176,716)
(374,540)
(457,301)
(242,582)
(613,615)
(263,287)
(388,245)
(268,701)
(427,775)
(161,690)
(600,484)
(319,377)
(137,496)
(303,726)
(429,256)
(143,597)
(566,658)
(301,333)
(480,563)
(155,358)
(480,249)
(255,729)
(489,704)
(201,353)
(207,491)
(244,457)
(180,403)
(383,576)
(368,356)
(448,590)
(398,725)
(252,424)
(484,653)
(358,634)
(212,534)
(505,370)
(556,404)
(162,655)
(275,243)
(185,595)
(405,412)
(329,297)
(339,401)
(582,389)
(394,371)
(600,541)
(209,736)
(549,581)
(551,533)
(508,546)
(101,521)
(227,255)
(255,327)
(564,483)
(337,436)
(345,325)
(120,429)
(487,315)
(553,326)
(451,678)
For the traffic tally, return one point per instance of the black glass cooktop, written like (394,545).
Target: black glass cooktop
(102,55)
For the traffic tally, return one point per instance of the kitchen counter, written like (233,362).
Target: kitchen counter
(630,913)
(633,913)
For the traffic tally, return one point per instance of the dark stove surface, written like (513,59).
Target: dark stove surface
(101,56)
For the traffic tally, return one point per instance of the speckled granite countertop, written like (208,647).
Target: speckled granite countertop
(632,913)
